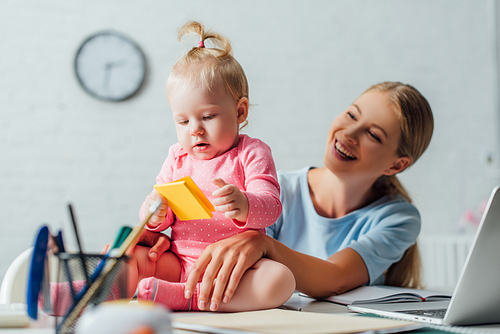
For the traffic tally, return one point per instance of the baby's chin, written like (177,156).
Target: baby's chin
(206,152)
(203,155)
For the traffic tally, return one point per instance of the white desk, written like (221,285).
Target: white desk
(45,326)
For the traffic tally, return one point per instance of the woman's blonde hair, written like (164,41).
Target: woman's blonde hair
(417,124)
(214,68)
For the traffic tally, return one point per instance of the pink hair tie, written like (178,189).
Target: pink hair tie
(201,44)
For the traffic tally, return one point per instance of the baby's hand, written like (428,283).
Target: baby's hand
(230,200)
(159,216)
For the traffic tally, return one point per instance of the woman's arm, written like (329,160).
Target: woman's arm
(318,278)
(228,259)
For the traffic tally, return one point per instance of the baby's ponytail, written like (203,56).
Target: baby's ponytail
(221,43)
(214,68)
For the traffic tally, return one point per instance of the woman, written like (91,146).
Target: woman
(344,225)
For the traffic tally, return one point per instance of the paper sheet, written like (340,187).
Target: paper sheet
(284,321)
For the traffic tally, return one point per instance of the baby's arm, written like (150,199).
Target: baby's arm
(262,190)
(262,196)
(230,200)
(258,206)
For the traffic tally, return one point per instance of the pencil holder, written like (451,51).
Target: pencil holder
(75,276)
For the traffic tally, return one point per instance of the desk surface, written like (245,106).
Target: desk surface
(295,303)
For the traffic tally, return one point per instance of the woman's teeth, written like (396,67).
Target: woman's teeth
(343,151)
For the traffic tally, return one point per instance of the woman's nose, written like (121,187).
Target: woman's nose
(351,133)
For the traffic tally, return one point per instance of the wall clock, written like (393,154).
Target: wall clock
(110,66)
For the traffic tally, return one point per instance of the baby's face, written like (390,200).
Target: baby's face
(207,123)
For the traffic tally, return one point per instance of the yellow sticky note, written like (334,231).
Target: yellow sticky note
(185,199)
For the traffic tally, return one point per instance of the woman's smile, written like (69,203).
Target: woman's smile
(342,152)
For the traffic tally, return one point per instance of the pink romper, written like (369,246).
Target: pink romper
(250,167)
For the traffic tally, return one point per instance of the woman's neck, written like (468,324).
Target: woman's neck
(334,197)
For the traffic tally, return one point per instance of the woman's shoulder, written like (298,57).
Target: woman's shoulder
(394,201)
(393,206)
(294,179)
(294,175)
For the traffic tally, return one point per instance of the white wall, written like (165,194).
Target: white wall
(306,61)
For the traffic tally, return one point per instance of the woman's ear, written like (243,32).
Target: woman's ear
(242,109)
(398,166)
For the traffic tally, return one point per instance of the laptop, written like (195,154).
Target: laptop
(476,298)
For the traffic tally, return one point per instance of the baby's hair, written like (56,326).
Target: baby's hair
(222,44)
(214,68)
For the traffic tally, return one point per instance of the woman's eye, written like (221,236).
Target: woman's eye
(374,136)
(351,115)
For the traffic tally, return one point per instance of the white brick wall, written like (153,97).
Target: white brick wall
(306,61)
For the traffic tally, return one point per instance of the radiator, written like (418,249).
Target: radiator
(443,258)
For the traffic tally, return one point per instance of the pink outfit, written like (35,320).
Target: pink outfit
(250,167)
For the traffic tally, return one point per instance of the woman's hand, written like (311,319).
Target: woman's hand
(230,200)
(222,265)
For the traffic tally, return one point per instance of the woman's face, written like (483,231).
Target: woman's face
(363,140)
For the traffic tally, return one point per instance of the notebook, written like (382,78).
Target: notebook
(476,298)
(386,294)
